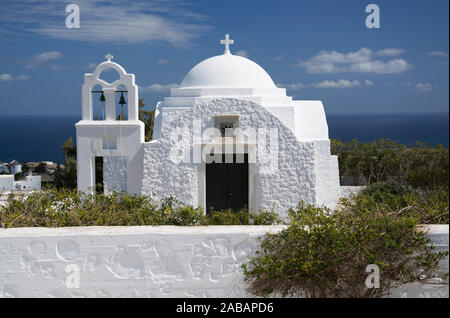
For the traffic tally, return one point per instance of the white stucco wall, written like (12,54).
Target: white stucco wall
(300,176)
(145,261)
(310,120)
(6,182)
(127,261)
(115,140)
(327,175)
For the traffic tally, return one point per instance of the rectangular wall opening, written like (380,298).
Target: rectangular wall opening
(99,185)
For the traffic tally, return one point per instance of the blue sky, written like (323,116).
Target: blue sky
(318,49)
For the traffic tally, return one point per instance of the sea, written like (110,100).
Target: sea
(39,138)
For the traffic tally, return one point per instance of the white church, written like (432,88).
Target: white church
(227,137)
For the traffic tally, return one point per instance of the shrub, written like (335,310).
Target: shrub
(428,206)
(421,166)
(228,217)
(325,255)
(66,207)
(266,218)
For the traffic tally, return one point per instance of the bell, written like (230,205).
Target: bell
(102,98)
(122,99)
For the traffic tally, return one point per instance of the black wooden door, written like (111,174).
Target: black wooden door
(227,185)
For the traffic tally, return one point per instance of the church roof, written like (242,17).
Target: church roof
(230,76)
(227,71)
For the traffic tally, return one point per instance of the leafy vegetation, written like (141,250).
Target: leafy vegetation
(41,168)
(421,166)
(66,207)
(148,117)
(324,254)
(427,206)
(66,177)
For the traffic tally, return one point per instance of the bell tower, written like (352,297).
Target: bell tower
(115,144)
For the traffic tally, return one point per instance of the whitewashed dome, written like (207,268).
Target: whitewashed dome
(227,71)
(227,76)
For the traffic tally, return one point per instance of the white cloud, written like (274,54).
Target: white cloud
(91,66)
(23,78)
(8,77)
(242,53)
(294,86)
(158,88)
(278,58)
(389,52)
(368,83)
(325,84)
(357,62)
(163,61)
(119,21)
(438,53)
(379,67)
(424,87)
(44,60)
(337,84)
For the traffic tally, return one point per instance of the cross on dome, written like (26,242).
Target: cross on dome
(109,57)
(227,43)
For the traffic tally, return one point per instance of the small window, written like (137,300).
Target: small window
(226,125)
(226,129)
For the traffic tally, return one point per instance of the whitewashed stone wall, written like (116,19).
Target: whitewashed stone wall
(299,175)
(126,261)
(145,261)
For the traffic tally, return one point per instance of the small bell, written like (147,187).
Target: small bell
(122,99)
(102,97)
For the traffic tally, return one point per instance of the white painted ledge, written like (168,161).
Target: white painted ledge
(140,230)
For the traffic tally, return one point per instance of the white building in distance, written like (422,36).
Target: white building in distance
(30,183)
(4,168)
(227,137)
(15,167)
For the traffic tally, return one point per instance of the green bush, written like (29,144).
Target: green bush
(421,166)
(228,217)
(428,206)
(65,207)
(265,218)
(321,254)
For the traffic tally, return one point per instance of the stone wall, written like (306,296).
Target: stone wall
(144,261)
